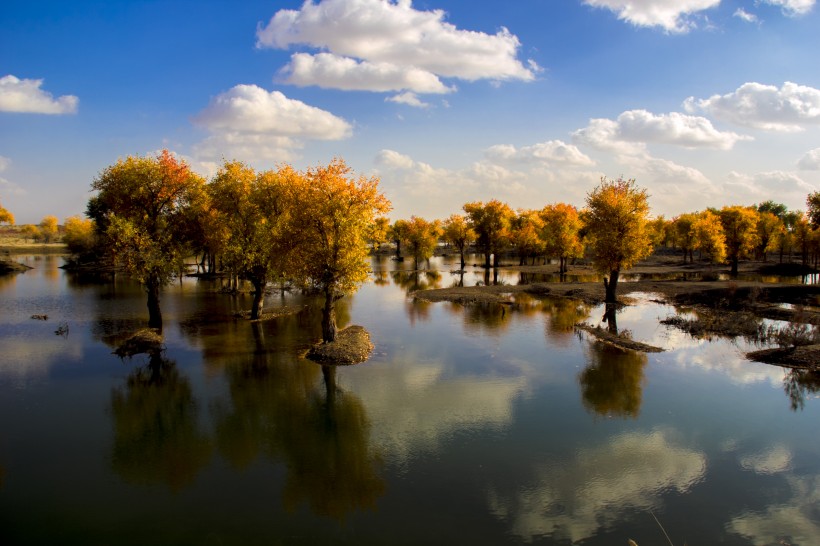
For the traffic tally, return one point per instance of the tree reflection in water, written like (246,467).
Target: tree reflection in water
(612,382)
(798,384)
(279,409)
(157,439)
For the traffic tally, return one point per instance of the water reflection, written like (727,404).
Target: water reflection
(600,486)
(612,382)
(800,383)
(157,437)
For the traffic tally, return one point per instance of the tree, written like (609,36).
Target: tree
(813,204)
(6,217)
(48,228)
(615,221)
(378,233)
(561,233)
(458,233)
(525,230)
(802,235)
(421,238)
(252,210)
(659,230)
(491,223)
(739,228)
(331,214)
(768,225)
(140,212)
(398,233)
(778,209)
(78,235)
(708,236)
(683,227)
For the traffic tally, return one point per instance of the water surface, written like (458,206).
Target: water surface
(485,424)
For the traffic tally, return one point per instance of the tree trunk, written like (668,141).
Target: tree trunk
(462,259)
(154,313)
(610,319)
(611,286)
(487,259)
(495,259)
(258,298)
(734,265)
(329,317)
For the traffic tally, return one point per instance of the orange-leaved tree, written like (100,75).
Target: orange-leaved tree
(491,223)
(140,210)
(458,233)
(616,226)
(331,215)
(561,233)
(740,230)
(5,216)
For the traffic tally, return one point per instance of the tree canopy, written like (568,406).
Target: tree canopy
(5,216)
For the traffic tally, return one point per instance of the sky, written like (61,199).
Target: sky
(702,102)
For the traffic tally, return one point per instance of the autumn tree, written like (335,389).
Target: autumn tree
(398,233)
(421,238)
(683,227)
(659,230)
(768,225)
(739,228)
(253,210)
(458,233)
(615,220)
(802,233)
(378,232)
(48,229)
(813,204)
(78,235)
(491,223)
(332,211)
(140,210)
(525,235)
(561,233)
(6,217)
(708,237)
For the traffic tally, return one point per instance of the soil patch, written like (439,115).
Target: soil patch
(145,341)
(616,340)
(10,266)
(806,357)
(352,346)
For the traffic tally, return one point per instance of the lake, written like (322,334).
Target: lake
(486,424)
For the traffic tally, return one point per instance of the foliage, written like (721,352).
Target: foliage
(659,230)
(768,225)
(778,209)
(525,234)
(78,235)
(561,232)
(491,223)
(683,228)
(421,238)
(813,204)
(378,232)
(708,236)
(740,230)
(5,216)
(48,229)
(458,232)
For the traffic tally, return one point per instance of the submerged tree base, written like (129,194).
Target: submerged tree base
(352,346)
(145,341)
(806,357)
(620,341)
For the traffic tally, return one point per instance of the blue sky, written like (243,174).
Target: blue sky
(704,102)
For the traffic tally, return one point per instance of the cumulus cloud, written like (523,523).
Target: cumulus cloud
(640,126)
(25,96)
(744,15)
(771,461)
(788,186)
(250,122)
(791,108)
(810,161)
(332,71)
(571,501)
(792,8)
(674,16)
(380,45)
(409,98)
(7,187)
(553,152)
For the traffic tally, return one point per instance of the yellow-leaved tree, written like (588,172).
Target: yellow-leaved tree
(740,230)
(331,216)
(141,212)
(48,228)
(708,236)
(79,235)
(421,237)
(5,216)
(616,224)
(561,233)
(458,233)
(491,223)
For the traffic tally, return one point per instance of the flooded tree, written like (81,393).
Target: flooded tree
(398,233)
(525,235)
(331,214)
(491,223)
(561,233)
(459,234)
(140,213)
(616,224)
(421,238)
(378,232)
(253,211)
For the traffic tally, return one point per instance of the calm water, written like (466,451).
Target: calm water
(470,425)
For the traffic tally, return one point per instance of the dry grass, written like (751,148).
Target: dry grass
(352,346)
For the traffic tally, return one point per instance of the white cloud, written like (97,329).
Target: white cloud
(603,134)
(570,502)
(810,161)
(792,8)
(674,128)
(387,33)
(771,461)
(787,186)
(670,15)
(553,152)
(409,98)
(790,108)
(332,71)
(7,187)
(250,122)
(741,13)
(25,96)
